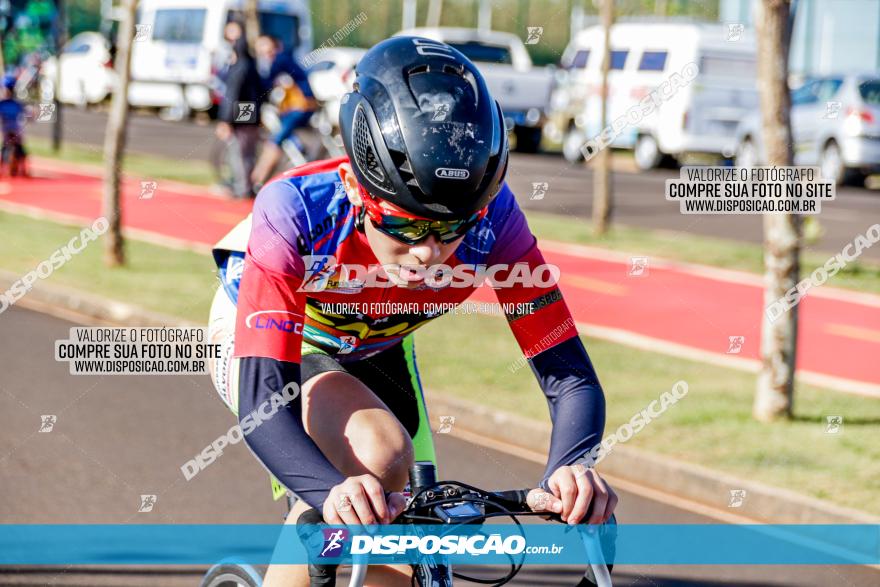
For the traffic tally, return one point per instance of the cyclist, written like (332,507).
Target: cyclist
(417,189)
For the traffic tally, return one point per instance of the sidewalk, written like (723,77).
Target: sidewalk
(674,308)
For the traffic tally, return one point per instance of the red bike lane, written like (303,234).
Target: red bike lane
(683,307)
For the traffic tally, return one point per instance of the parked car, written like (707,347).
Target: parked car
(522,89)
(332,76)
(87,75)
(835,124)
(183,46)
(699,117)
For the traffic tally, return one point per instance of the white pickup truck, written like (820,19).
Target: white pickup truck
(522,89)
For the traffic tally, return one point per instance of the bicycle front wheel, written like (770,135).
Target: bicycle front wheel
(227,575)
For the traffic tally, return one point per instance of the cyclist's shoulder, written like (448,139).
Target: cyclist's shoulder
(301,192)
(502,228)
(502,205)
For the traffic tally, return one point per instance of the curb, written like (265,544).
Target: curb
(763,503)
(54,299)
(696,483)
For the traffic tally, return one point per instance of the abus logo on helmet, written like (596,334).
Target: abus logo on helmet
(452,173)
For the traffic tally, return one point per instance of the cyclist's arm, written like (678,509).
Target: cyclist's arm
(545,330)
(268,337)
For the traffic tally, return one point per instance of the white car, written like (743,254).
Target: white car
(174,62)
(649,62)
(835,124)
(87,75)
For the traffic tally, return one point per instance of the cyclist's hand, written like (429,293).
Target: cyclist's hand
(572,490)
(361,500)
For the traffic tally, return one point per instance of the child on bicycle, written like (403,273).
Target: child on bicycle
(416,192)
(12,119)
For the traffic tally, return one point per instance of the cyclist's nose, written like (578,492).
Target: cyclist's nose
(426,251)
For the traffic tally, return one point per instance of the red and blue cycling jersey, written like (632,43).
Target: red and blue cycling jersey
(293,288)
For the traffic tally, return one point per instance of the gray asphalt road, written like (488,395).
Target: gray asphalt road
(117,438)
(639,197)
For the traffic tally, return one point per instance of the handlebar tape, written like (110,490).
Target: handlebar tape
(319,575)
(514,499)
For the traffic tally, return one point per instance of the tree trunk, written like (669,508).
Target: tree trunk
(435,11)
(602,196)
(60,40)
(775,391)
(114,140)
(661,7)
(251,24)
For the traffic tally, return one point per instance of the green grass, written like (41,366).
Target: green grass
(690,248)
(470,356)
(177,283)
(192,171)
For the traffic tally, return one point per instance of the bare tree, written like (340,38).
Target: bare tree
(60,41)
(775,391)
(435,11)
(114,140)
(602,197)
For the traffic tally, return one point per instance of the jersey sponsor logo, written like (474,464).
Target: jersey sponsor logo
(452,173)
(261,321)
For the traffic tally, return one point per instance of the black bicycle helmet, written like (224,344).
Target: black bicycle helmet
(422,131)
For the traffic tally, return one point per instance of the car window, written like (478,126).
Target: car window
(484,53)
(806,94)
(727,66)
(179,25)
(870,92)
(79,46)
(653,61)
(618,58)
(321,66)
(284,27)
(828,89)
(579,61)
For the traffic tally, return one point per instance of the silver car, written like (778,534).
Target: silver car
(835,124)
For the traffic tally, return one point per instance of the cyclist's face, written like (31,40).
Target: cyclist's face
(390,251)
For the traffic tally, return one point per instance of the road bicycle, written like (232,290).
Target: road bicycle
(316,140)
(448,503)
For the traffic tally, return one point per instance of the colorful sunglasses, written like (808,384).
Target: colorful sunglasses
(411,229)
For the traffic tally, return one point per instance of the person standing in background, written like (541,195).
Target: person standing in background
(278,69)
(239,112)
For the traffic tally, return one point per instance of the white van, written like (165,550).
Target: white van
(182,43)
(700,116)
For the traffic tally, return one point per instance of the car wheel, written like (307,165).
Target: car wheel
(528,140)
(833,168)
(647,153)
(572,144)
(746,154)
(831,163)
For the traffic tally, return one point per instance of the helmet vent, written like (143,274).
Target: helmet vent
(365,152)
